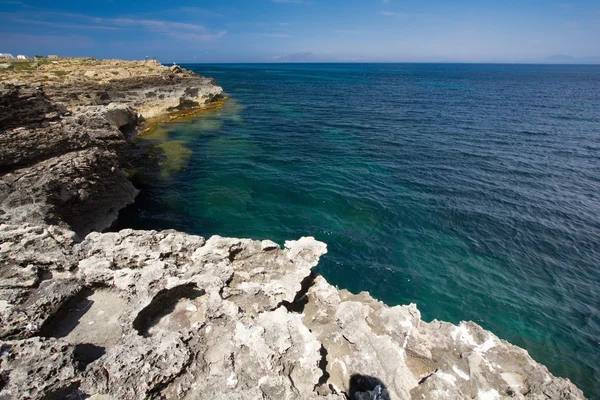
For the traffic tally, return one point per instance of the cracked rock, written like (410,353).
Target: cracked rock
(146,314)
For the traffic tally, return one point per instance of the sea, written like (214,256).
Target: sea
(472,190)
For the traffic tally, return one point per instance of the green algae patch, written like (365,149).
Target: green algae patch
(198,126)
(132,173)
(232,111)
(174,135)
(158,134)
(174,153)
(176,156)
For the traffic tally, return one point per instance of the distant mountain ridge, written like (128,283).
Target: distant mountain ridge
(566,58)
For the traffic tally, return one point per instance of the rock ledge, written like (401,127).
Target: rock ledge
(145,314)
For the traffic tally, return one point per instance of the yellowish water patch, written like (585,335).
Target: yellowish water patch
(159,133)
(232,112)
(199,125)
(177,156)
(188,124)
(184,115)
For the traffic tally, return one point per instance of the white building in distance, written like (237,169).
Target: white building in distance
(21,57)
(6,56)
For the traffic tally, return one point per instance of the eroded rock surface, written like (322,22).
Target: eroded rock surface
(144,314)
(63,142)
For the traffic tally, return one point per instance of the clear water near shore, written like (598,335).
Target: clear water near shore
(471,190)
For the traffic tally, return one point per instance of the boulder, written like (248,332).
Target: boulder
(121,116)
(176,69)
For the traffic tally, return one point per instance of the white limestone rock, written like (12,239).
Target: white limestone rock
(176,316)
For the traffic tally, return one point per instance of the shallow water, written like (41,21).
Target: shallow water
(471,190)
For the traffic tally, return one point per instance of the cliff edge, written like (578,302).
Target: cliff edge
(63,142)
(167,315)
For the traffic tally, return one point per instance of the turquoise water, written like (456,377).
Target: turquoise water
(471,190)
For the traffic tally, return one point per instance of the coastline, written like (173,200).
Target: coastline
(148,125)
(263,325)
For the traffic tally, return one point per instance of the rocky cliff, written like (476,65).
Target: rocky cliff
(63,142)
(145,314)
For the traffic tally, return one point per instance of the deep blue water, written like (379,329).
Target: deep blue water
(471,190)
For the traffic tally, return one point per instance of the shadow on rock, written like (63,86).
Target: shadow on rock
(364,387)
(87,353)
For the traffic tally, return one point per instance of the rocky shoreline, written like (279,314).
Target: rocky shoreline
(146,314)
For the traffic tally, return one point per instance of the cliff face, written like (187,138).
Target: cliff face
(144,314)
(62,143)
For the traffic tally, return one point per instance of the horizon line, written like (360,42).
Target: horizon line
(394,62)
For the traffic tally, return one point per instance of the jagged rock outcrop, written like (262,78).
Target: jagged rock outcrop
(167,315)
(62,145)
(144,314)
(150,95)
(148,86)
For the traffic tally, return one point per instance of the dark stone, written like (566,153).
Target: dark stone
(364,387)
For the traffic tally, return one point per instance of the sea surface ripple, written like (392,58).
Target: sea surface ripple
(471,190)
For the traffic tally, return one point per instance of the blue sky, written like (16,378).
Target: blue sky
(329,30)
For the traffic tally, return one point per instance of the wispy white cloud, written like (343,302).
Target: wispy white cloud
(259,24)
(156,25)
(572,24)
(195,10)
(65,26)
(275,35)
(349,32)
(403,15)
(568,6)
(200,37)
(178,30)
